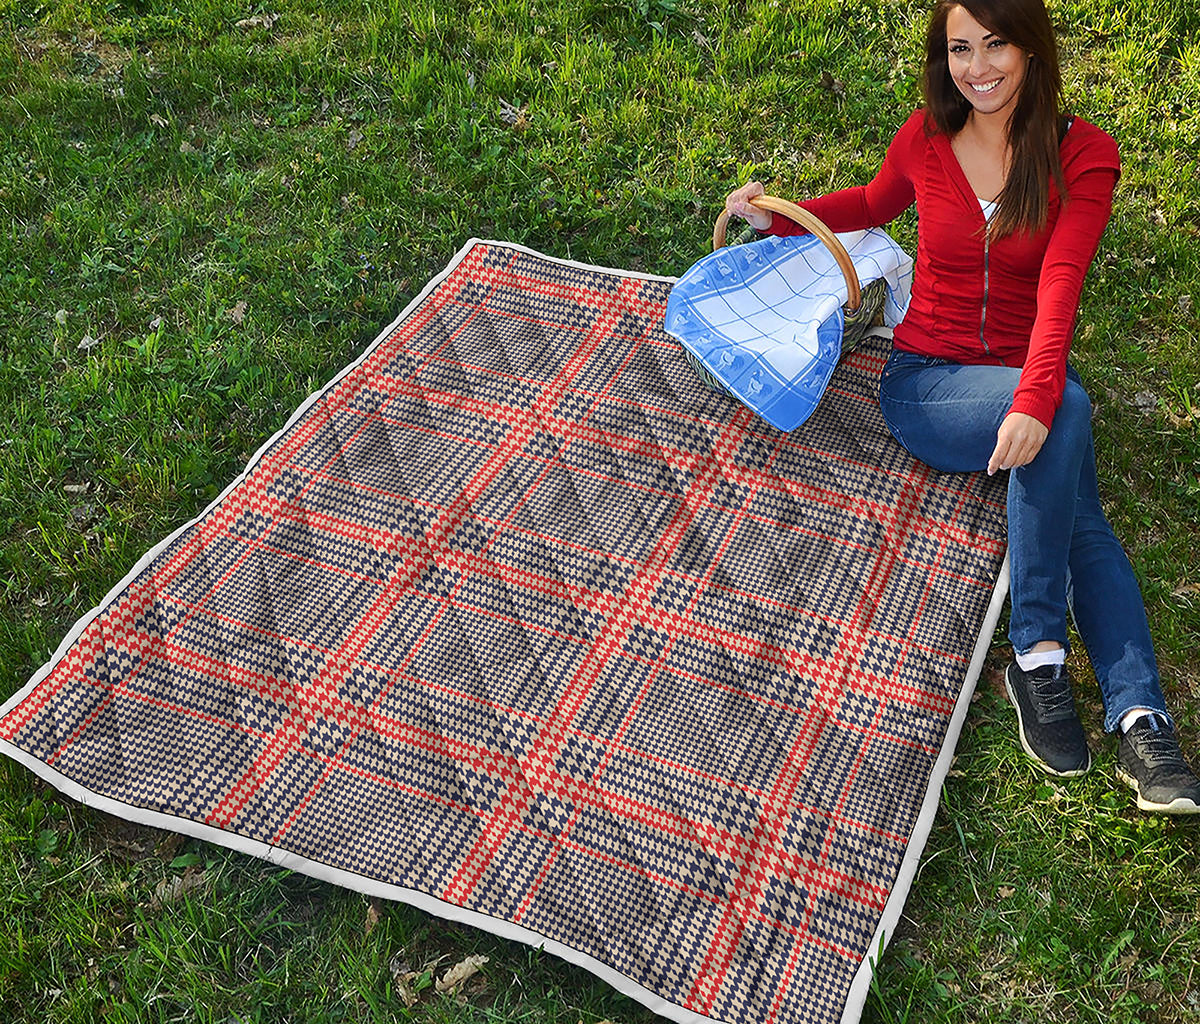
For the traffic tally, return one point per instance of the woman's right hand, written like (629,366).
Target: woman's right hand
(1018,441)
(737,203)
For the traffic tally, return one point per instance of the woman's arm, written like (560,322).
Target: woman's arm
(887,195)
(1072,246)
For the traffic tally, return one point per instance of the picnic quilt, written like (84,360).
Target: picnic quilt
(519,623)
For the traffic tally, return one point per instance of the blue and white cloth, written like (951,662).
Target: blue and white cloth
(766,318)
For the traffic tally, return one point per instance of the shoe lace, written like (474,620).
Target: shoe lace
(1053,694)
(1159,749)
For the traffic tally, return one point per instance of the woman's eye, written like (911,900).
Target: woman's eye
(995,44)
(958,48)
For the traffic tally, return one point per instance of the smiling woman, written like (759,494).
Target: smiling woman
(997,90)
(1012,198)
(988,70)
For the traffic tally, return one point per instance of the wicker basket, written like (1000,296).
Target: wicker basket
(864,306)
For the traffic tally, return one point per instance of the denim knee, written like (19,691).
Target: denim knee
(1072,426)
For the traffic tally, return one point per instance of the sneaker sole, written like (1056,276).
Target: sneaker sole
(1073,773)
(1180,805)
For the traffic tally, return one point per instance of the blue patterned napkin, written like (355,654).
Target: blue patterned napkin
(766,318)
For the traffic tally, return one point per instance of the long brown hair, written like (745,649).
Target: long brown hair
(1035,126)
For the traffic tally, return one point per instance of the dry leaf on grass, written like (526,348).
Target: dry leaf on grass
(831,84)
(354,139)
(238,313)
(127,849)
(171,889)
(257,21)
(460,972)
(399,967)
(403,977)
(374,913)
(514,116)
(1145,401)
(406,991)
(87,342)
(158,120)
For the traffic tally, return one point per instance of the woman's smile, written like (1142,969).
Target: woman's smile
(986,69)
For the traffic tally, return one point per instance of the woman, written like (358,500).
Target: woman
(1012,198)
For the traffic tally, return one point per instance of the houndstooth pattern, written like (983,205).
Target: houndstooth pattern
(520,616)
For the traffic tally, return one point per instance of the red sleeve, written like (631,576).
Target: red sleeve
(888,194)
(1069,253)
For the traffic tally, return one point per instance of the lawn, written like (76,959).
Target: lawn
(208,209)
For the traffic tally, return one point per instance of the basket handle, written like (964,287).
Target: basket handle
(805,219)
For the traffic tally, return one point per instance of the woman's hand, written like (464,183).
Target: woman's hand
(737,203)
(1018,440)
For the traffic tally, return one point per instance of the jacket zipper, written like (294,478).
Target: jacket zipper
(983,309)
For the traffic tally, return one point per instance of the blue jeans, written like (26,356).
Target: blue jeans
(1061,547)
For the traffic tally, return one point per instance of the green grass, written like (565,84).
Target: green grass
(160,167)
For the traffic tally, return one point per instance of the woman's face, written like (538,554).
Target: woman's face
(988,70)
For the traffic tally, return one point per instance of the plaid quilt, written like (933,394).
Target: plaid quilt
(518,622)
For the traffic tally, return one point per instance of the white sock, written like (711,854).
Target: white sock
(1130,717)
(1036,659)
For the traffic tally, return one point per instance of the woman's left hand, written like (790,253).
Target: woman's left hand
(1018,440)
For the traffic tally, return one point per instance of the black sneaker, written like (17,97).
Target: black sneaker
(1149,760)
(1051,732)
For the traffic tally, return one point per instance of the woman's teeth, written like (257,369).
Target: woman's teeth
(986,88)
